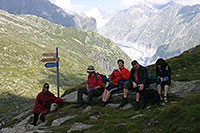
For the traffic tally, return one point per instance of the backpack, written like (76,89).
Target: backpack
(104,77)
(152,79)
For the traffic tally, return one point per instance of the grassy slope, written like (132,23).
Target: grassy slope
(180,116)
(23,39)
(185,67)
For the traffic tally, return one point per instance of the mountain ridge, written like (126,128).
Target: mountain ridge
(49,11)
(23,40)
(162,34)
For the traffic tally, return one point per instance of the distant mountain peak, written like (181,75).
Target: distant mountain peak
(48,10)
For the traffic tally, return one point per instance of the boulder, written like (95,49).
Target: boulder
(72,97)
(59,121)
(127,106)
(87,109)
(112,105)
(79,127)
(136,116)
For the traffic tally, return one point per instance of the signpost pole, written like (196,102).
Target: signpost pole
(56,50)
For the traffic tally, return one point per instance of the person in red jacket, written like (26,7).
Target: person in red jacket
(94,87)
(119,76)
(43,103)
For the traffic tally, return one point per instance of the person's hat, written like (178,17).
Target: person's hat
(90,69)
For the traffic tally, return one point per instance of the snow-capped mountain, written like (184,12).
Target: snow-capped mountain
(148,32)
(49,11)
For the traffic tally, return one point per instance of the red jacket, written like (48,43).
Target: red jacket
(42,98)
(93,82)
(123,74)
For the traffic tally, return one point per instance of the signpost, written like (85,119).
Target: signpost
(50,59)
(49,54)
(50,63)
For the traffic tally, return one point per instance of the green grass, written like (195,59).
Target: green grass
(24,38)
(185,67)
(173,117)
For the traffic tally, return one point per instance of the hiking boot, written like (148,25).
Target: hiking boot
(78,105)
(123,103)
(103,104)
(136,106)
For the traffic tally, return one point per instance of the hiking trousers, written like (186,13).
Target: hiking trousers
(92,93)
(36,115)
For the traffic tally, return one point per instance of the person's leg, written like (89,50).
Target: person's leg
(137,97)
(127,85)
(166,88)
(103,104)
(160,91)
(80,93)
(125,91)
(107,96)
(91,94)
(35,118)
(42,117)
(104,95)
(110,89)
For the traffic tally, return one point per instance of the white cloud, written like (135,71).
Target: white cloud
(67,6)
(98,12)
(128,3)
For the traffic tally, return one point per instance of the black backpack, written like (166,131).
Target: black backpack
(105,79)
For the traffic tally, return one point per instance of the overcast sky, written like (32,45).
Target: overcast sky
(111,5)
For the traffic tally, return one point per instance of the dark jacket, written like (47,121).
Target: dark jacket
(142,76)
(42,99)
(166,71)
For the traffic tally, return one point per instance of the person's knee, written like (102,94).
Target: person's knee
(91,92)
(42,117)
(125,89)
(127,84)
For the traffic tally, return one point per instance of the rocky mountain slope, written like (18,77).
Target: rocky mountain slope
(147,32)
(23,40)
(49,11)
(179,115)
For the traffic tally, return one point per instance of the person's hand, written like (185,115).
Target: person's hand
(88,90)
(141,87)
(161,79)
(115,70)
(134,85)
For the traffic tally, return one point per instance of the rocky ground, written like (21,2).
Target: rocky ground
(22,122)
